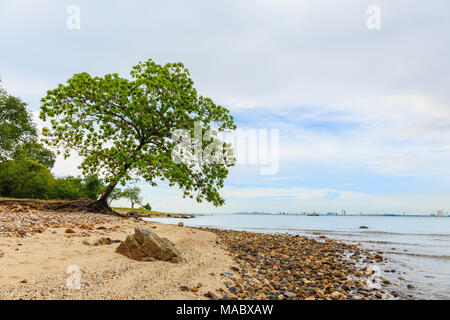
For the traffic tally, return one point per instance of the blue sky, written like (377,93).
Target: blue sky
(363,115)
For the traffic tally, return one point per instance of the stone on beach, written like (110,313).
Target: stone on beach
(145,244)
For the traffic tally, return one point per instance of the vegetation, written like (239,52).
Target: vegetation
(35,151)
(25,179)
(116,194)
(25,164)
(16,125)
(123,128)
(132,194)
(29,179)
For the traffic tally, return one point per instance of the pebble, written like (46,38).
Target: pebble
(275,266)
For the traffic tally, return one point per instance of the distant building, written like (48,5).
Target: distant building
(440,213)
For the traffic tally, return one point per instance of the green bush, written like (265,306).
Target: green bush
(25,179)
(29,179)
(68,188)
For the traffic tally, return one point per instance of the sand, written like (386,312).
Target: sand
(35,266)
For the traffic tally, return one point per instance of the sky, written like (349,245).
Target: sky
(361,109)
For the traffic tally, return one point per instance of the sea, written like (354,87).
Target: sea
(417,248)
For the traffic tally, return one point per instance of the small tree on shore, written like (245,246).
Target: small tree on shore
(132,194)
(123,128)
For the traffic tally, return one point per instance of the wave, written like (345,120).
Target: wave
(346,232)
(431,256)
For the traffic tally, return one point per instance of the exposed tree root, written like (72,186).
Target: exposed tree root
(63,205)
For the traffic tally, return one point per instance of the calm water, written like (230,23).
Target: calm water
(417,248)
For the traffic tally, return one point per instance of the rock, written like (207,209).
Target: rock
(225,297)
(234,290)
(357,273)
(194,289)
(363,227)
(104,241)
(180,224)
(69,231)
(211,295)
(336,295)
(369,271)
(2,254)
(184,288)
(146,244)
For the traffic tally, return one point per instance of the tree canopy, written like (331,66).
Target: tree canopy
(133,194)
(35,151)
(25,179)
(16,124)
(18,134)
(123,127)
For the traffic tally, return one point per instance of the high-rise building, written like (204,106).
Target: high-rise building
(440,213)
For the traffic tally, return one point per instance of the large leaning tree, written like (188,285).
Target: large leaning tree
(123,129)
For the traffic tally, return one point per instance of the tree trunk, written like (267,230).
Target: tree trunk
(101,205)
(132,205)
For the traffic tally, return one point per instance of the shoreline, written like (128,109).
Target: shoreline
(36,250)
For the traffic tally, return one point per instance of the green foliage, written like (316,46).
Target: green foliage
(93,187)
(34,151)
(133,194)
(116,194)
(18,135)
(147,206)
(75,188)
(16,125)
(29,179)
(25,179)
(68,188)
(123,128)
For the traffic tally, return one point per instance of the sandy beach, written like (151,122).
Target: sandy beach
(41,250)
(36,251)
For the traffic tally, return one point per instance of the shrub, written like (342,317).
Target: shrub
(25,179)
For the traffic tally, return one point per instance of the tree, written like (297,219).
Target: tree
(93,187)
(123,128)
(16,124)
(35,151)
(25,179)
(132,194)
(147,207)
(68,188)
(116,194)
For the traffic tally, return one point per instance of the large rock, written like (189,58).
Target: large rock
(145,245)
